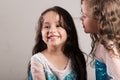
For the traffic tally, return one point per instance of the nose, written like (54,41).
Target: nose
(52,29)
(81,17)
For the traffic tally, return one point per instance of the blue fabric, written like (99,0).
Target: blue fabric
(101,71)
(30,76)
(49,76)
(71,76)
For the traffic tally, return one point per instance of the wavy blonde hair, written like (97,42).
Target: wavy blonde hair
(109,28)
(107,12)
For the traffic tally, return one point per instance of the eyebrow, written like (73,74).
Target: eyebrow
(45,22)
(49,23)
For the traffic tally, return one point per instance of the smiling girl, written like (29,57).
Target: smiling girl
(56,54)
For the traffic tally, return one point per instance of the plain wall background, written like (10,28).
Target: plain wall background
(18,19)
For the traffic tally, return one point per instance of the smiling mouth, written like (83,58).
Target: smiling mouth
(53,37)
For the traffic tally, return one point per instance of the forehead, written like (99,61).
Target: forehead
(86,8)
(50,16)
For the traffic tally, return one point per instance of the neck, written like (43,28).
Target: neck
(54,48)
(54,51)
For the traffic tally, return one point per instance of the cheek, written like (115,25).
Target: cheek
(44,36)
(92,26)
(87,24)
(64,34)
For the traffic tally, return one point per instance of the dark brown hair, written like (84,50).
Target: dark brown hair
(71,47)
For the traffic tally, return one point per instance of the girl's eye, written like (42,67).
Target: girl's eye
(46,26)
(58,25)
(84,16)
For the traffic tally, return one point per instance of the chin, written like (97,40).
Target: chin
(86,31)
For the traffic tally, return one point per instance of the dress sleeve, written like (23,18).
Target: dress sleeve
(111,61)
(113,66)
(37,70)
(100,63)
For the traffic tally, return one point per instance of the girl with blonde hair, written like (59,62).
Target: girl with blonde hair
(101,18)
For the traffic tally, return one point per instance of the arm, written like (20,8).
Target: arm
(111,59)
(37,70)
(114,63)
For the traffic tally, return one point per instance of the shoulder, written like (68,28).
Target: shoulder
(37,67)
(36,62)
(100,52)
(37,58)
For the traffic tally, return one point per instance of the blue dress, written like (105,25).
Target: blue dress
(51,73)
(30,76)
(101,71)
(49,76)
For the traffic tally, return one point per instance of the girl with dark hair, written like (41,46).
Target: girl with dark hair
(56,54)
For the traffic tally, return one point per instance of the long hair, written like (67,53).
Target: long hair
(94,8)
(70,48)
(110,24)
(107,12)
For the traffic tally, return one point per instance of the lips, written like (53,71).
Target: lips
(53,37)
(83,25)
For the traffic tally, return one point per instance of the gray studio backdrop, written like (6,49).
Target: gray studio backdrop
(18,19)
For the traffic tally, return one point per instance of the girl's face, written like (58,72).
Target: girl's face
(89,23)
(52,33)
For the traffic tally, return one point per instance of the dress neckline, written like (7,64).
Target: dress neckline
(53,67)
